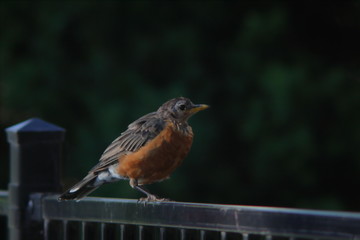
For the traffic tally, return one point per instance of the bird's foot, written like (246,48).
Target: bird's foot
(152,198)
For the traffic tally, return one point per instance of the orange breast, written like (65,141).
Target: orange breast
(158,158)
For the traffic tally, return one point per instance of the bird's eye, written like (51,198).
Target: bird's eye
(182,107)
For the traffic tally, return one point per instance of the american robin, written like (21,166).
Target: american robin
(148,151)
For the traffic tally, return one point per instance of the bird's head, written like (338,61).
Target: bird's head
(180,109)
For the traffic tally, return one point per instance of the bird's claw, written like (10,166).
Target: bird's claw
(152,198)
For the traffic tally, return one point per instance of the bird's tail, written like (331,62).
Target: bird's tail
(81,189)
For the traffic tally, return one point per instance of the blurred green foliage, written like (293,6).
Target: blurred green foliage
(282,79)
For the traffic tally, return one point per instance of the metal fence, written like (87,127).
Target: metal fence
(33,212)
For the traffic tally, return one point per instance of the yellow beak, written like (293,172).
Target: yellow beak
(198,107)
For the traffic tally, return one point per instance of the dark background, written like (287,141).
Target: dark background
(283,81)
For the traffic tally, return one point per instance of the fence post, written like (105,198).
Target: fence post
(35,153)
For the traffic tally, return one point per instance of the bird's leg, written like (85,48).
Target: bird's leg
(150,197)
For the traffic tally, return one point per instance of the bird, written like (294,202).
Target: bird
(148,151)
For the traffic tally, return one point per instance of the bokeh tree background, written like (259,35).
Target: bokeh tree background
(283,81)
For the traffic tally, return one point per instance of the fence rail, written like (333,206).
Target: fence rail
(267,221)
(33,211)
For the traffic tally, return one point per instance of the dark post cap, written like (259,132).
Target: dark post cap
(24,131)
(34,125)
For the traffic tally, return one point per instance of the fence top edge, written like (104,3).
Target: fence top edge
(270,209)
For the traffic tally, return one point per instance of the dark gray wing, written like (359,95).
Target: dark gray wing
(137,135)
